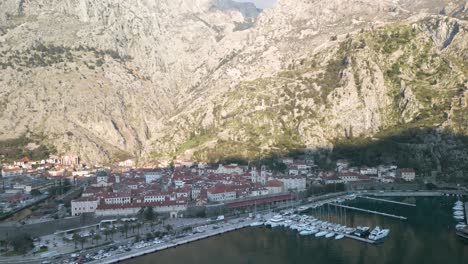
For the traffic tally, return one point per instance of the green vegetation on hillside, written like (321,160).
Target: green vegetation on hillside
(15,149)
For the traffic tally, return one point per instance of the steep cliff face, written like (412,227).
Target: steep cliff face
(111,79)
(98,76)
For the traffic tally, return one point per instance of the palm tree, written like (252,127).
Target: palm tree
(3,244)
(82,241)
(122,231)
(138,226)
(107,233)
(112,232)
(92,232)
(76,237)
(97,237)
(126,227)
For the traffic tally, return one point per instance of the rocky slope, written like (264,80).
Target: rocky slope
(110,79)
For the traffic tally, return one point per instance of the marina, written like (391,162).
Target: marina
(426,223)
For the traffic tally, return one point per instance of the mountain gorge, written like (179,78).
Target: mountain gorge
(215,79)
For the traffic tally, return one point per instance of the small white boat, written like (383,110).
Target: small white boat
(329,235)
(460,226)
(459,217)
(381,235)
(321,234)
(339,236)
(276,221)
(308,232)
(349,230)
(458,213)
(302,208)
(458,208)
(255,224)
(458,203)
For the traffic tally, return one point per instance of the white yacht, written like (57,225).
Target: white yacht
(308,232)
(459,217)
(321,234)
(349,230)
(339,236)
(255,224)
(276,221)
(458,213)
(460,226)
(374,232)
(329,235)
(380,235)
(458,207)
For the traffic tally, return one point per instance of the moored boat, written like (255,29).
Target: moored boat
(339,236)
(321,234)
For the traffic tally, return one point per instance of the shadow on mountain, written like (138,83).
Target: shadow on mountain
(433,154)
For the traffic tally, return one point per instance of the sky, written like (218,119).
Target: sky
(260,3)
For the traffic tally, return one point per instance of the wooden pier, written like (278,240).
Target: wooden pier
(369,211)
(385,200)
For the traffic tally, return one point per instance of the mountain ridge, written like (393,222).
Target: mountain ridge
(151,80)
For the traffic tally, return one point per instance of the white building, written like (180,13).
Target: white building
(127,163)
(221,193)
(407,174)
(230,169)
(84,205)
(152,176)
(154,197)
(12,172)
(297,183)
(274,186)
(259,176)
(117,198)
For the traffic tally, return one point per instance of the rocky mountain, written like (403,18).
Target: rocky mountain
(113,79)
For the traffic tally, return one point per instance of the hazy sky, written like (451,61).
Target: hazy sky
(260,3)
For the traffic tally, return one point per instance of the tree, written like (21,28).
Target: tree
(125,228)
(92,232)
(112,232)
(82,241)
(122,231)
(107,233)
(35,192)
(138,226)
(149,214)
(97,237)
(169,228)
(4,245)
(22,244)
(76,237)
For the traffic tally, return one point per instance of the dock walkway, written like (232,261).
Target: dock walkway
(385,200)
(369,211)
(466,212)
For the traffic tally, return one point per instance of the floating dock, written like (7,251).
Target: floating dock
(385,200)
(360,239)
(369,211)
(466,212)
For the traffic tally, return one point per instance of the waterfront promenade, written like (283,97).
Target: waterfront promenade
(209,232)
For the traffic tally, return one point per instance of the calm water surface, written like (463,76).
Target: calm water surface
(426,237)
